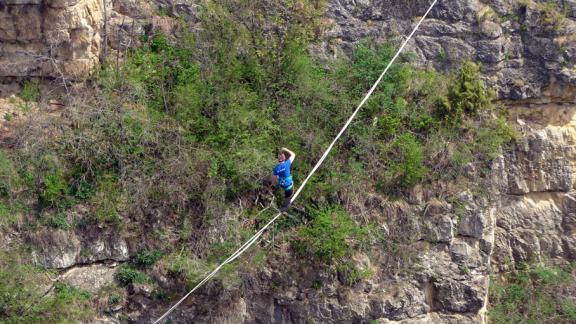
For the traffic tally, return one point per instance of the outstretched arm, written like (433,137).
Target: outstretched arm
(292,154)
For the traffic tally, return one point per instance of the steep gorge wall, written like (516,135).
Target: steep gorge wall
(527,50)
(536,216)
(527,214)
(523,211)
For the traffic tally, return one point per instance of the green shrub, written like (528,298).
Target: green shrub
(58,221)
(55,190)
(67,304)
(127,275)
(8,175)
(332,236)
(145,258)
(532,295)
(407,167)
(114,299)
(350,274)
(467,96)
(569,310)
(82,190)
(11,211)
(186,266)
(106,200)
(19,283)
(30,91)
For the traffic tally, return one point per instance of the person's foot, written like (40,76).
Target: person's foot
(283,209)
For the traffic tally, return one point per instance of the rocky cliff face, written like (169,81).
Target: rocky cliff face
(528,51)
(436,263)
(67,39)
(438,255)
(49,38)
(440,252)
(535,217)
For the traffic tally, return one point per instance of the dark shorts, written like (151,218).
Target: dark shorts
(288,193)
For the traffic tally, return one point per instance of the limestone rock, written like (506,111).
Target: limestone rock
(90,278)
(51,38)
(539,222)
(64,249)
(508,38)
(540,163)
(438,229)
(458,297)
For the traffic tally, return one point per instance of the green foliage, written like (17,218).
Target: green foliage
(52,189)
(19,283)
(10,180)
(23,298)
(83,190)
(114,299)
(467,96)
(55,190)
(532,295)
(58,221)
(331,237)
(351,274)
(6,175)
(191,269)
(106,200)
(407,167)
(317,284)
(10,212)
(145,258)
(186,266)
(68,304)
(413,116)
(30,92)
(569,310)
(127,275)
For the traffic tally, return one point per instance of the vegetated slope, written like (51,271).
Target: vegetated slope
(167,154)
(534,294)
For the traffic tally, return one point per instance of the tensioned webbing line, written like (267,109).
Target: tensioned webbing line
(254,238)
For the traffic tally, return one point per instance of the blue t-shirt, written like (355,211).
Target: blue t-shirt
(282,170)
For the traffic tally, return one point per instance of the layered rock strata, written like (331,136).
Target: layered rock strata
(49,38)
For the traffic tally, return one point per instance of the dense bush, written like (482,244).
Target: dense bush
(179,136)
(127,275)
(145,258)
(467,96)
(7,173)
(189,127)
(331,237)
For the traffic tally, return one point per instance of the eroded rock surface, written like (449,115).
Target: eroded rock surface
(535,218)
(64,249)
(91,278)
(525,54)
(51,38)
